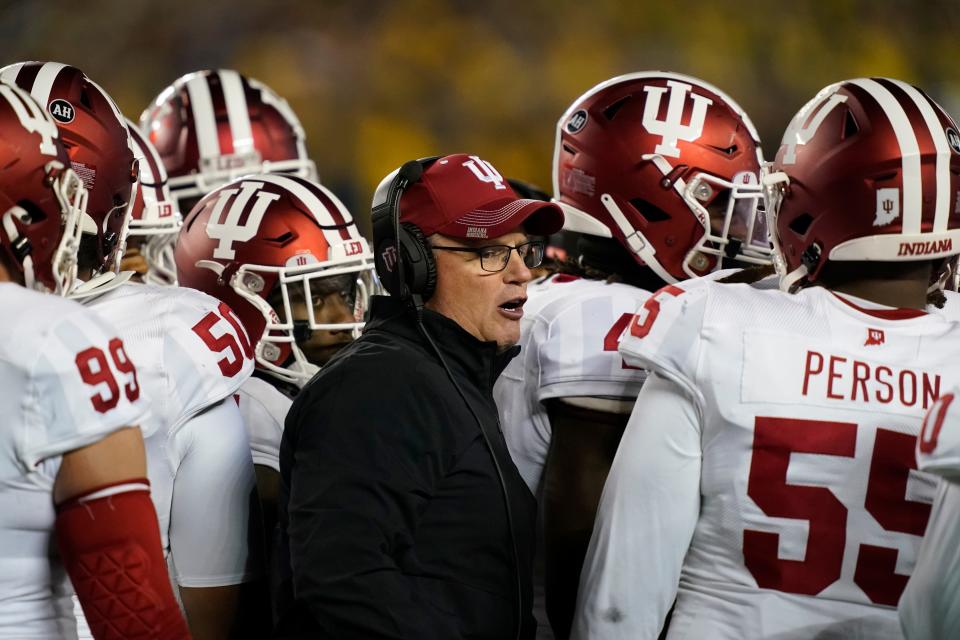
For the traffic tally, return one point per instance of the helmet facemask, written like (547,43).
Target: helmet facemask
(775,185)
(731,213)
(72,197)
(102,249)
(158,241)
(736,227)
(162,268)
(300,294)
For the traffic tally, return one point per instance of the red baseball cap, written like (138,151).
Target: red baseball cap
(463,196)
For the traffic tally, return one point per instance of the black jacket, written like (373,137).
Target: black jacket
(393,521)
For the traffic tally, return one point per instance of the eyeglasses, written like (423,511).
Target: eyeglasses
(495,257)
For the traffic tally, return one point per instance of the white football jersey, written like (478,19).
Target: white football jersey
(951,307)
(766,477)
(930,606)
(568,336)
(264,409)
(66,382)
(192,353)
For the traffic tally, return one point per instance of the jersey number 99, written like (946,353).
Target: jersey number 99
(96,372)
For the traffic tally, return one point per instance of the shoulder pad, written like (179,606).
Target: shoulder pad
(665,334)
(577,335)
(206,352)
(81,384)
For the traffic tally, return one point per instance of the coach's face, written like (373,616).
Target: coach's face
(487,304)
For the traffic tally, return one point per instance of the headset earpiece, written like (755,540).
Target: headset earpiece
(386,254)
(420,267)
(402,257)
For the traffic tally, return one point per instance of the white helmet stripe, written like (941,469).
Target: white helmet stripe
(113,105)
(912,209)
(9,73)
(141,152)
(237,112)
(939,135)
(201,104)
(317,208)
(43,83)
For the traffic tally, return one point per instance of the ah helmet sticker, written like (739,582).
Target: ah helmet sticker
(62,111)
(577,121)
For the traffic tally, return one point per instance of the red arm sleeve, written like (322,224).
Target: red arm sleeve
(109,541)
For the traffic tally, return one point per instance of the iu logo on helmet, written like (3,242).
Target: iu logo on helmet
(888,206)
(32,119)
(672,128)
(798,134)
(229,228)
(485,172)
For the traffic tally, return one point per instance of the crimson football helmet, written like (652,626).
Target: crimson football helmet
(268,238)
(154,215)
(213,126)
(41,198)
(669,166)
(98,143)
(869,169)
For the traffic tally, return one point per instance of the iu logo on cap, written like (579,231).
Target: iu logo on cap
(485,172)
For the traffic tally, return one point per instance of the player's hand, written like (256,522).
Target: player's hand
(133,260)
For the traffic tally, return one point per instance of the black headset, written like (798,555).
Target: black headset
(407,270)
(403,258)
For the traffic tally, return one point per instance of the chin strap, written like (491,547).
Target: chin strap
(99,285)
(635,240)
(789,281)
(19,244)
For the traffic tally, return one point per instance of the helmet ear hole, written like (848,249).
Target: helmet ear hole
(650,212)
(610,112)
(801,224)
(850,126)
(34,213)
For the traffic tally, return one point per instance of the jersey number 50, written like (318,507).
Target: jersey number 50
(229,367)
(775,439)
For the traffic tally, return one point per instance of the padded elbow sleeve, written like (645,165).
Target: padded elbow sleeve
(109,541)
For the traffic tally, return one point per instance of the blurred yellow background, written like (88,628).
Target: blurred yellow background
(376,83)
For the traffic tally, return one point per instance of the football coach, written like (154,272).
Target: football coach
(402,514)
